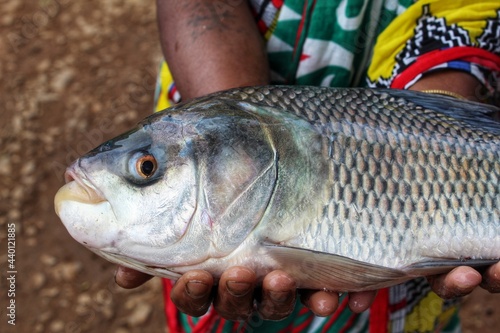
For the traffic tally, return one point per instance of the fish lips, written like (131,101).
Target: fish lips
(84,210)
(77,188)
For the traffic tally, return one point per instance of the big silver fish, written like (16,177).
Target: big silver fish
(345,189)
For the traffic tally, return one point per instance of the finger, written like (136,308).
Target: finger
(491,279)
(192,292)
(234,299)
(321,303)
(128,278)
(278,296)
(361,301)
(459,282)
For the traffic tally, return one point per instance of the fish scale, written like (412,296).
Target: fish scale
(345,189)
(401,129)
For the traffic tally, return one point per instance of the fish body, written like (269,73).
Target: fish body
(345,189)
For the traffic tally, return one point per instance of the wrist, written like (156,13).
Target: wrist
(455,82)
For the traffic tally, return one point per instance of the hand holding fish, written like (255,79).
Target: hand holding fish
(195,301)
(278,291)
(192,294)
(463,280)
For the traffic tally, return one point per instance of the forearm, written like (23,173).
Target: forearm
(210,48)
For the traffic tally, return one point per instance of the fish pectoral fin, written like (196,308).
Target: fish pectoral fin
(320,270)
(434,266)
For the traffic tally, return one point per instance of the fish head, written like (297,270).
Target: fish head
(132,194)
(177,190)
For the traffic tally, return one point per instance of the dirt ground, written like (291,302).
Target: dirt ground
(73,74)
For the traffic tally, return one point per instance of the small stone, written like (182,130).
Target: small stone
(120,119)
(83,303)
(5,165)
(108,312)
(132,302)
(31,241)
(30,230)
(121,330)
(15,215)
(7,20)
(38,328)
(56,326)
(104,297)
(17,123)
(81,310)
(67,271)
(38,280)
(84,299)
(48,260)
(94,108)
(17,193)
(131,115)
(140,315)
(53,131)
(62,79)
(40,224)
(44,316)
(43,65)
(49,292)
(48,142)
(10,6)
(28,168)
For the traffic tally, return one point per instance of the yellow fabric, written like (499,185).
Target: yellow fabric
(166,81)
(423,317)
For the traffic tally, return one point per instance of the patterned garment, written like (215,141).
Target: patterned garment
(380,43)
(460,35)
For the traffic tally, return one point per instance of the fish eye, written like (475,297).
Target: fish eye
(146,166)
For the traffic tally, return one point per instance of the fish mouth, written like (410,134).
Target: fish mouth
(78,189)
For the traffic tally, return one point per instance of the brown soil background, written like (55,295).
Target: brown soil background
(73,74)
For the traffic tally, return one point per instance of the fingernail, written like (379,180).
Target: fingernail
(118,275)
(197,289)
(238,289)
(280,296)
(467,281)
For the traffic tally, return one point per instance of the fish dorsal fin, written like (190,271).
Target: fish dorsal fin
(434,266)
(476,115)
(320,270)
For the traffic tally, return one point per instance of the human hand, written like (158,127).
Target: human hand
(129,278)
(193,293)
(463,280)
(236,290)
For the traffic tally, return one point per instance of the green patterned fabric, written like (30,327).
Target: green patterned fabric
(327,42)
